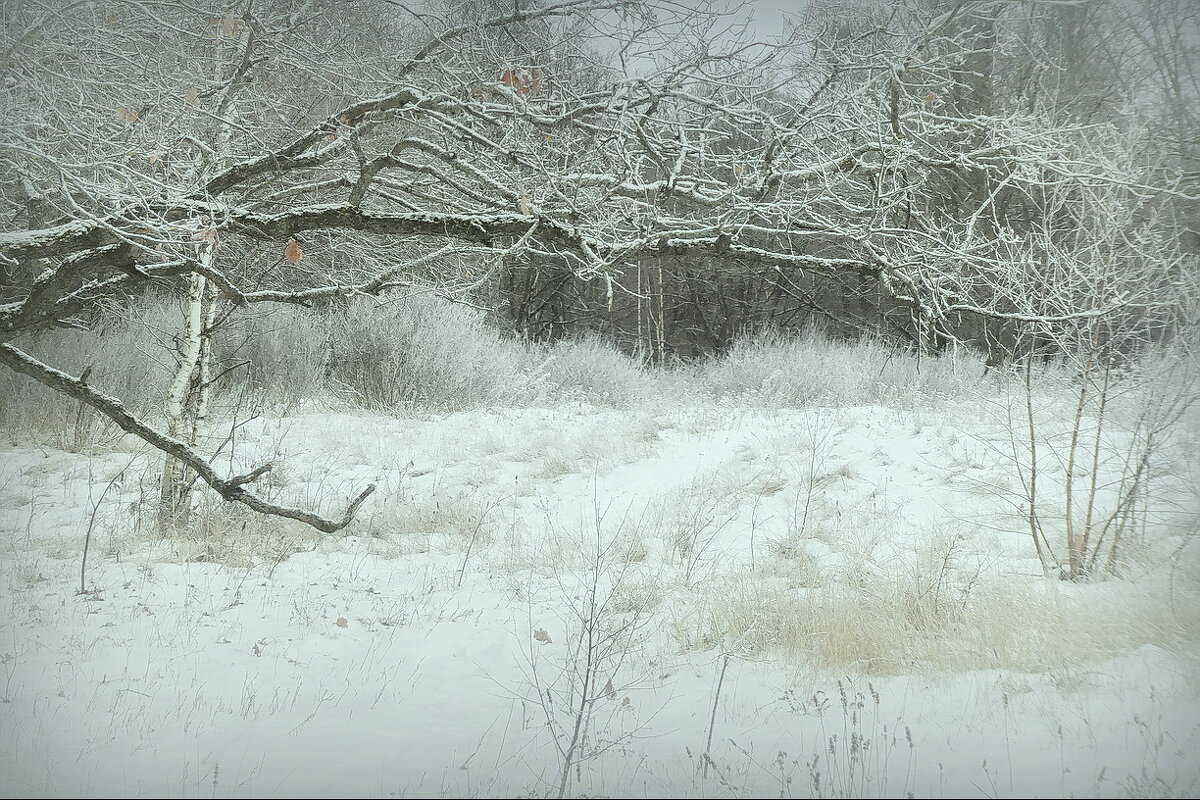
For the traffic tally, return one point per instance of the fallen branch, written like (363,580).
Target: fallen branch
(231,489)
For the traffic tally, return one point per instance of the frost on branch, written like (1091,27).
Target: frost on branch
(884,172)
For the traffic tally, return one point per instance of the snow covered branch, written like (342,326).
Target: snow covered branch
(887,161)
(232,489)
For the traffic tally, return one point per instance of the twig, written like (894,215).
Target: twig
(87,537)
(712,720)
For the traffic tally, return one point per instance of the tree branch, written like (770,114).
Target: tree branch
(231,489)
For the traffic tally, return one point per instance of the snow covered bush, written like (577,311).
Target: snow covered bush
(405,351)
(775,369)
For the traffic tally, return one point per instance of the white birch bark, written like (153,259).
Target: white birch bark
(188,396)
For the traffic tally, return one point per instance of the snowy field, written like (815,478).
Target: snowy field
(732,399)
(635,599)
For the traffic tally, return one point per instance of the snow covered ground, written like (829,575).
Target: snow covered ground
(670,601)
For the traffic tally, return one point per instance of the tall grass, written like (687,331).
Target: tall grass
(775,369)
(416,351)
(125,349)
(419,353)
(921,621)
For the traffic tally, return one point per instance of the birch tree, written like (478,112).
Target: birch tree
(187,399)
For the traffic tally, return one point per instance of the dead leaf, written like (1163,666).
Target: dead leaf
(192,96)
(231,26)
(292,251)
(541,635)
(207,235)
(341,622)
(521,81)
(609,690)
(126,114)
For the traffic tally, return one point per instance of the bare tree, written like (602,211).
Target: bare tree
(201,147)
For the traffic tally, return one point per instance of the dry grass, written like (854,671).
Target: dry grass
(775,370)
(927,621)
(235,538)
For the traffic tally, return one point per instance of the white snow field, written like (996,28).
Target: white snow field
(690,599)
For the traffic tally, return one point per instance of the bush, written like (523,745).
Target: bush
(811,369)
(415,351)
(591,369)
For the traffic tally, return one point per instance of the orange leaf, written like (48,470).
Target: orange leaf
(521,81)
(292,252)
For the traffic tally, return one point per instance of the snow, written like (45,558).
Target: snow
(432,651)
